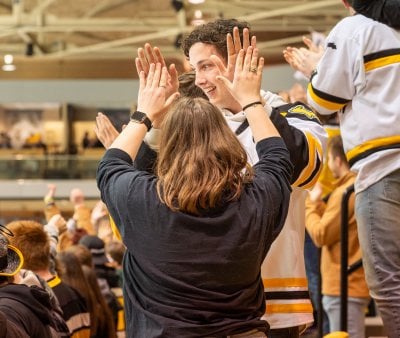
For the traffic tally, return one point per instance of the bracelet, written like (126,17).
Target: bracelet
(251,105)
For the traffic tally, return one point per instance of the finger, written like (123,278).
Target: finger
(143,61)
(254,60)
(138,64)
(173,76)
(150,76)
(159,57)
(236,40)
(142,80)
(253,41)
(149,53)
(231,53)
(157,76)
(308,42)
(230,45)
(171,100)
(260,65)
(225,81)
(218,62)
(239,61)
(163,76)
(246,38)
(247,59)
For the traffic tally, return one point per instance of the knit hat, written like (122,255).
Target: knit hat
(96,246)
(11,259)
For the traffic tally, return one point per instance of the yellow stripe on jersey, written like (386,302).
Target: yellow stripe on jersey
(381,62)
(289,308)
(314,151)
(372,144)
(285,282)
(333,106)
(115,229)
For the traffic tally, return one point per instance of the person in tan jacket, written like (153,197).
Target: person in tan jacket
(323,221)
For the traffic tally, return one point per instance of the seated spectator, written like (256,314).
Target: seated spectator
(34,243)
(85,257)
(72,273)
(105,324)
(106,304)
(323,223)
(26,310)
(9,329)
(101,264)
(115,250)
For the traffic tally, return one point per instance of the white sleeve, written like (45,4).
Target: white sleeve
(332,85)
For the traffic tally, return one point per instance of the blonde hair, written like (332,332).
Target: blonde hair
(201,162)
(33,241)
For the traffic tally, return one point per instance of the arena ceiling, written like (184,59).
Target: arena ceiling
(94,30)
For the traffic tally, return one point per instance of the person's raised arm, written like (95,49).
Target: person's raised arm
(152,101)
(245,87)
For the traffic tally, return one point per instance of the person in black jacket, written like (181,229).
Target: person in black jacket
(28,308)
(9,329)
(198,230)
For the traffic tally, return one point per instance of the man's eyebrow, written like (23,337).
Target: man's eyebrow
(199,62)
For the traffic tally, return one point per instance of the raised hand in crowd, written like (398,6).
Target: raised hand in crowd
(148,55)
(234,45)
(105,130)
(304,59)
(153,97)
(246,83)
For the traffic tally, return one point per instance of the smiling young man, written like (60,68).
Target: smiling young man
(212,50)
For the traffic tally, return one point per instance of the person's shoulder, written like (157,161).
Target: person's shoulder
(10,329)
(297,110)
(356,25)
(348,27)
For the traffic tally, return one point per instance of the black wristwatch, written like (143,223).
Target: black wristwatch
(139,117)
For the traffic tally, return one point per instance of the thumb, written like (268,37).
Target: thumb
(171,99)
(224,81)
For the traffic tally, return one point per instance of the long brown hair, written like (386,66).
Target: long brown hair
(201,162)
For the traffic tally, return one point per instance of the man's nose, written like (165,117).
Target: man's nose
(199,80)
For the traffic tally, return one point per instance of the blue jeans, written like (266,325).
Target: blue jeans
(355,314)
(378,218)
(311,259)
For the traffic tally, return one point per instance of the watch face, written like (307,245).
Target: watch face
(138,116)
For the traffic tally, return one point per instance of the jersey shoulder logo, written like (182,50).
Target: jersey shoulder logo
(302,110)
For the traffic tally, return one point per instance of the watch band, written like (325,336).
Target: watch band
(140,117)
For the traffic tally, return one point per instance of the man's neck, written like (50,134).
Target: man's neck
(44,274)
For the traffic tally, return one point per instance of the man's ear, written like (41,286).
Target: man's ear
(346,4)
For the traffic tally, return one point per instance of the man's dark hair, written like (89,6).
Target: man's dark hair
(214,33)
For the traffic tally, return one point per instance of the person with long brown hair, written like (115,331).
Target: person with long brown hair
(198,230)
(72,273)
